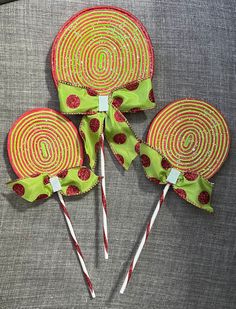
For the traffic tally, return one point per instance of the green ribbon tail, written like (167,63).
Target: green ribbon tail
(197,192)
(121,138)
(190,186)
(91,128)
(31,188)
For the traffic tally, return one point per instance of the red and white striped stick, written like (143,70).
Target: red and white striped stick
(76,245)
(144,239)
(104,200)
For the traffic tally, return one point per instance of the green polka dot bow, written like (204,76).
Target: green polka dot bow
(189,185)
(74,181)
(104,114)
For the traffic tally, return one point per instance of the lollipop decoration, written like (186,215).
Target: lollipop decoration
(46,152)
(102,65)
(192,139)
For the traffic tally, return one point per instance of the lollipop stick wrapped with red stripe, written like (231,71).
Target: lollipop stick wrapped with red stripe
(46,152)
(187,143)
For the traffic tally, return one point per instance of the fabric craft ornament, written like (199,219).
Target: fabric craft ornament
(102,65)
(45,152)
(187,143)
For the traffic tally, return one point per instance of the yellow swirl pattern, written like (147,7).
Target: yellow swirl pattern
(102,48)
(192,135)
(42,140)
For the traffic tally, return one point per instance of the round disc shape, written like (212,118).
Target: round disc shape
(102,48)
(192,135)
(43,141)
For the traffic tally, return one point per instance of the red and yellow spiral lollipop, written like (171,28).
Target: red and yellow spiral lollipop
(102,48)
(43,141)
(192,135)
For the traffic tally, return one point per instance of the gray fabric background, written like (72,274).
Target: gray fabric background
(189,260)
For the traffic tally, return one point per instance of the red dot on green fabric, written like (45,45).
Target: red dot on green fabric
(117,101)
(181,193)
(73,101)
(120,158)
(154,179)
(137,147)
(19,189)
(151,96)
(204,197)
(190,175)
(94,124)
(46,180)
(84,173)
(91,92)
(41,197)
(132,86)
(165,164)
(72,190)
(62,174)
(145,160)
(119,117)
(120,138)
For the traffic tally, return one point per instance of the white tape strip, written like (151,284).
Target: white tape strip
(103,103)
(173,176)
(56,186)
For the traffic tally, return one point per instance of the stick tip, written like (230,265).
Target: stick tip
(93,294)
(121,292)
